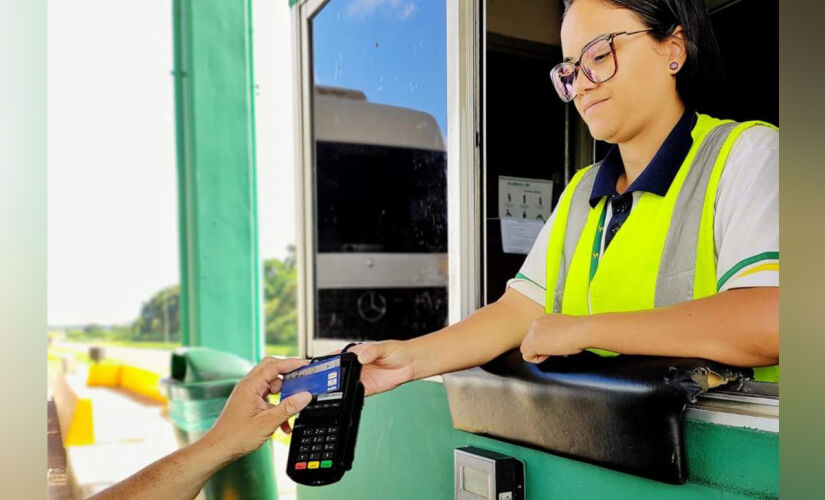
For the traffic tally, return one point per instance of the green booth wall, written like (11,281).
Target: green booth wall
(406,442)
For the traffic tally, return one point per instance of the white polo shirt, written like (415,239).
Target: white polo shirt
(745,224)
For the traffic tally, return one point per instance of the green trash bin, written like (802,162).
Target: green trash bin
(201,381)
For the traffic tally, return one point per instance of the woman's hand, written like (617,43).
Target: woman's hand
(386,365)
(554,335)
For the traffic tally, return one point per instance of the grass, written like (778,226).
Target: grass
(141,344)
(52,365)
(270,350)
(55,353)
(281,350)
(137,344)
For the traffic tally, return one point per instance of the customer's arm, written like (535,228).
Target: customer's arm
(247,422)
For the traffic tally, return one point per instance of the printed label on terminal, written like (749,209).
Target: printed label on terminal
(331,395)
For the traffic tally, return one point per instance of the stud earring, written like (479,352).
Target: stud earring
(674,65)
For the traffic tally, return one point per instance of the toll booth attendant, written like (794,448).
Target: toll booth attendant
(669,246)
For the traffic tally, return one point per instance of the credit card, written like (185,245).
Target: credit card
(317,378)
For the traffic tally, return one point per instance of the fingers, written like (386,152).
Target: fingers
(269,368)
(275,386)
(285,427)
(529,354)
(530,358)
(534,358)
(267,372)
(275,417)
(367,353)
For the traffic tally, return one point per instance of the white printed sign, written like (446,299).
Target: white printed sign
(518,235)
(524,205)
(522,198)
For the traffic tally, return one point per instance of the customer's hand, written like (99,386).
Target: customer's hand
(248,420)
(386,365)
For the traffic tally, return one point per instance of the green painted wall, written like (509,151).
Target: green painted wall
(405,451)
(220,269)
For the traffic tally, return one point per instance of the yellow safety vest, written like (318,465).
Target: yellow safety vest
(664,253)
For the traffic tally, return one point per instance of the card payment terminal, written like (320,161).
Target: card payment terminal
(324,434)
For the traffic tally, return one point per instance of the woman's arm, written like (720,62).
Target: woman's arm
(738,327)
(488,332)
(477,339)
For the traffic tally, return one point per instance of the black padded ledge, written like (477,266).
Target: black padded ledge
(624,412)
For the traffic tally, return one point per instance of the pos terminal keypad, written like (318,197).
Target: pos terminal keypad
(316,446)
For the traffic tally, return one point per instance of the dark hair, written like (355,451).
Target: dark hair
(703,68)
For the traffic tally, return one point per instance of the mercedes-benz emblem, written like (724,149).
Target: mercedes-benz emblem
(372,306)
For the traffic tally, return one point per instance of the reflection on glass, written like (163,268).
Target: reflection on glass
(379,118)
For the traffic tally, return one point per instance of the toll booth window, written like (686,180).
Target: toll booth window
(379,110)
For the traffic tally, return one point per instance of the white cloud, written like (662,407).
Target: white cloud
(360,9)
(112,183)
(408,10)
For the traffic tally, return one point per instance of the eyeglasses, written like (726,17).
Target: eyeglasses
(597,61)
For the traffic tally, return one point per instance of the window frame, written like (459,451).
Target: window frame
(463,194)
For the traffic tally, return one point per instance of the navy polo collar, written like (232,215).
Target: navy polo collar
(659,173)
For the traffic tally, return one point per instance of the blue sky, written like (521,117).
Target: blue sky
(395,51)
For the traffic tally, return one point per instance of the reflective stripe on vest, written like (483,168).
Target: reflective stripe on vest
(575,223)
(665,252)
(682,243)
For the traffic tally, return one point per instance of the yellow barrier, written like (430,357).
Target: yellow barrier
(81,431)
(73,412)
(75,408)
(283,437)
(104,375)
(131,378)
(141,382)
(280,435)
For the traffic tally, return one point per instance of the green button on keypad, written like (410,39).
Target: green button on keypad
(326,464)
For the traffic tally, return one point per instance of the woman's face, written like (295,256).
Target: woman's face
(643,82)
